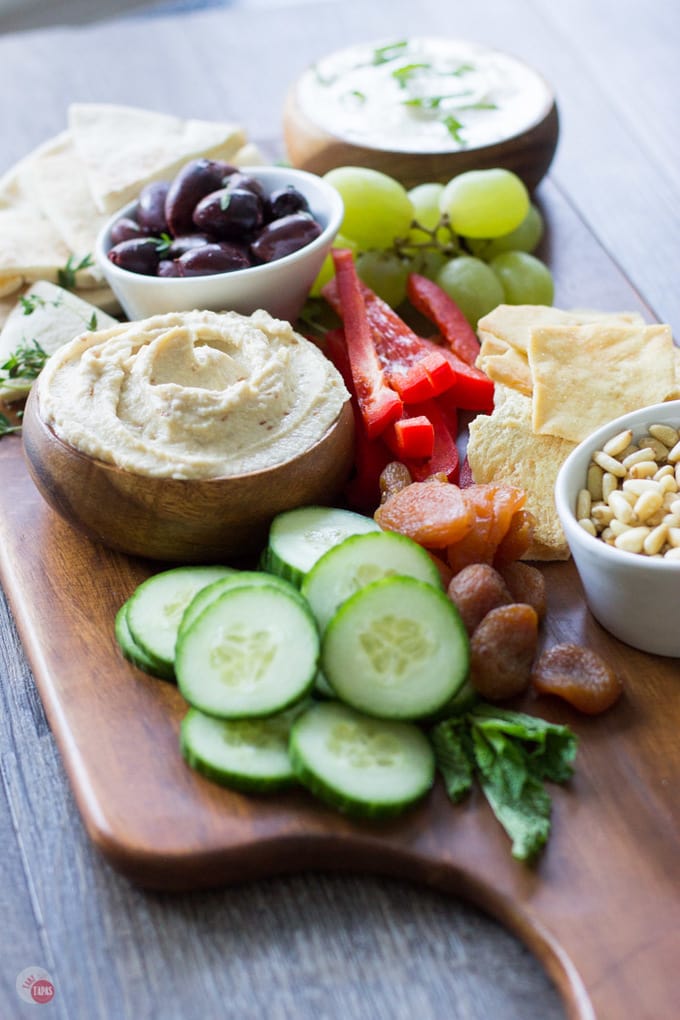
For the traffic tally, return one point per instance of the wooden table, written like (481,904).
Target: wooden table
(317,945)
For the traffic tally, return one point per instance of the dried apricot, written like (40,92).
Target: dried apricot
(493,507)
(433,513)
(475,591)
(517,538)
(579,676)
(526,584)
(502,650)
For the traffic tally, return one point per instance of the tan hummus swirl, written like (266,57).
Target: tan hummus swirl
(192,394)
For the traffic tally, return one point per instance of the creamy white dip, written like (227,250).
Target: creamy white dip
(192,394)
(423,95)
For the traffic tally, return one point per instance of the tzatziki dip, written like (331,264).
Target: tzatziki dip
(423,95)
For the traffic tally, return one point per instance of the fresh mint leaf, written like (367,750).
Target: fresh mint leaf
(450,741)
(550,749)
(525,818)
(454,127)
(403,75)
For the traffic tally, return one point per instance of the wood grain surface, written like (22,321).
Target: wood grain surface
(332,945)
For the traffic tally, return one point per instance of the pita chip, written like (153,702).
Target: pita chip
(122,148)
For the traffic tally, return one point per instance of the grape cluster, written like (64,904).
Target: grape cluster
(474,236)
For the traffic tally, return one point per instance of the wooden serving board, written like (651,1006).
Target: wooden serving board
(602,907)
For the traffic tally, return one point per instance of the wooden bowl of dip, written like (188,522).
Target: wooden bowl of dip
(181,519)
(402,108)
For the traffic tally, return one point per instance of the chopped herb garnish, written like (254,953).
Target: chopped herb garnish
(30,303)
(462,69)
(359,96)
(454,127)
(163,243)
(510,754)
(26,362)
(92,323)
(225,199)
(383,54)
(403,75)
(66,277)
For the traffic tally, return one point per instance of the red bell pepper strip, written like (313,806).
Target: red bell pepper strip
(414,372)
(411,437)
(436,305)
(473,390)
(371,456)
(445,459)
(378,403)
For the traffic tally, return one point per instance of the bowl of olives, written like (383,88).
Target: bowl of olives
(221,238)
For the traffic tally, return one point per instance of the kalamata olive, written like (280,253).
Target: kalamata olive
(185,243)
(239,180)
(151,207)
(124,229)
(284,236)
(231,215)
(168,267)
(285,202)
(195,180)
(138,255)
(212,258)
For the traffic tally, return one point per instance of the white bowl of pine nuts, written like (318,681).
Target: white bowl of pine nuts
(618,498)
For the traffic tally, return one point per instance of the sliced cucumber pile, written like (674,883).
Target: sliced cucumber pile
(297,538)
(322,685)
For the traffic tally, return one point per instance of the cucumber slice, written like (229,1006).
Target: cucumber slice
(357,561)
(396,649)
(297,538)
(237,579)
(365,767)
(253,652)
(156,608)
(133,652)
(250,755)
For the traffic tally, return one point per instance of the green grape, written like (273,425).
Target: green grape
(473,286)
(525,237)
(425,199)
(385,273)
(485,203)
(377,208)
(327,271)
(427,262)
(524,278)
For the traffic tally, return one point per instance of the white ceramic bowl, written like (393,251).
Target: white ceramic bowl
(636,598)
(280,287)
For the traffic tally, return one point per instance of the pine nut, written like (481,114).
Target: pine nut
(618,527)
(623,511)
(672,554)
(610,465)
(640,485)
(666,434)
(674,537)
(663,472)
(601,515)
(594,483)
(648,503)
(617,444)
(674,455)
(632,540)
(609,484)
(655,540)
(644,469)
(587,525)
(583,504)
(646,453)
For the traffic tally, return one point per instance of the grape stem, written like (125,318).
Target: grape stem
(403,245)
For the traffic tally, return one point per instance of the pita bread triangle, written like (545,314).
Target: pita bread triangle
(123,147)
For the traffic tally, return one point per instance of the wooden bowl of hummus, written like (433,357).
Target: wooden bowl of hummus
(180,437)
(422,109)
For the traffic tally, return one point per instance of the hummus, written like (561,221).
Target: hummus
(191,394)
